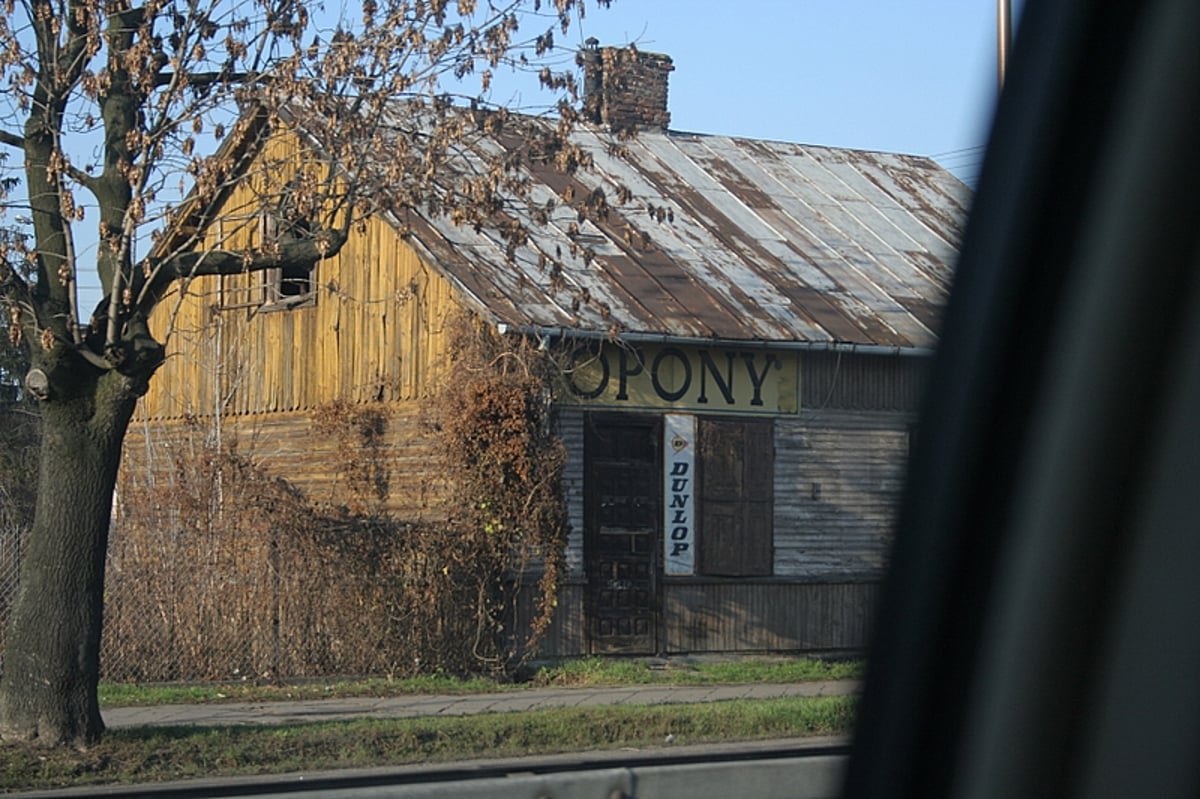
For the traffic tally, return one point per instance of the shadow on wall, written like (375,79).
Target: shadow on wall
(733,616)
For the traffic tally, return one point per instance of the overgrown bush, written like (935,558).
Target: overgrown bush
(508,463)
(218,569)
(224,571)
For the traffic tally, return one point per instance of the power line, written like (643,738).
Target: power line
(977,148)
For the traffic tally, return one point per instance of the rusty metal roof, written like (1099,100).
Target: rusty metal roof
(722,238)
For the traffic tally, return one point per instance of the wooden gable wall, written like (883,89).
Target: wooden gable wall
(255,375)
(375,327)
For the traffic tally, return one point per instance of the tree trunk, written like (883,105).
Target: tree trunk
(52,656)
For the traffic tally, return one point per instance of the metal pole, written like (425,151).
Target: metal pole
(1003,36)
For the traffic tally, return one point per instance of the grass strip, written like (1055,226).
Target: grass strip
(582,672)
(146,755)
(132,694)
(595,672)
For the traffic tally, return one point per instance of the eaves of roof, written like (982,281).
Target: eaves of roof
(709,238)
(719,238)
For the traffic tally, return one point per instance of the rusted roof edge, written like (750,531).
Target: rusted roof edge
(564,333)
(431,262)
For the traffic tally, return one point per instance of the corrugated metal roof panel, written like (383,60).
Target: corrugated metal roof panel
(722,238)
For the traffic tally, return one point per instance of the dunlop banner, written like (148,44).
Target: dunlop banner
(698,379)
(679,494)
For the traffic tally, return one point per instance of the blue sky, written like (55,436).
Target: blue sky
(912,76)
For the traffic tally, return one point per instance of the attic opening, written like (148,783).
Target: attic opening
(293,281)
(289,284)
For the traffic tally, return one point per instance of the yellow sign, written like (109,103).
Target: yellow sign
(704,380)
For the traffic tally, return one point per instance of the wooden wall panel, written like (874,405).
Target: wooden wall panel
(747,616)
(852,381)
(838,482)
(570,428)
(567,633)
(737,616)
(289,446)
(375,329)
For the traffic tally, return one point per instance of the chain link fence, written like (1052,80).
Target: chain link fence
(268,603)
(218,570)
(20,433)
(14,533)
(236,609)
(282,603)
(221,572)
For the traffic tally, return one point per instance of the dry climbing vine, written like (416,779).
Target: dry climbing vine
(220,569)
(507,463)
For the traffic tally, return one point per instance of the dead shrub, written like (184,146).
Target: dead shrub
(219,570)
(503,455)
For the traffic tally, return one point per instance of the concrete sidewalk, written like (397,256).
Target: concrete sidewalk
(221,714)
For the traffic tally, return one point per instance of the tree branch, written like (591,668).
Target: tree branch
(13,286)
(12,140)
(298,252)
(202,79)
(79,176)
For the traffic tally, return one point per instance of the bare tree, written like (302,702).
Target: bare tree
(113,105)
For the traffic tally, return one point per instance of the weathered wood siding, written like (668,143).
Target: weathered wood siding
(734,616)
(566,635)
(760,616)
(373,329)
(838,480)
(570,428)
(288,445)
(857,382)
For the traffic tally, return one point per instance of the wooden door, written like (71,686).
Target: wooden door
(621,542)
(737,497)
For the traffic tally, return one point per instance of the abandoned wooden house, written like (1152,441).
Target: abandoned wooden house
(743,378)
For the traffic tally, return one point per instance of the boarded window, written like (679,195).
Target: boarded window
(295,281)
(736,510)
(290,285)
(287,287)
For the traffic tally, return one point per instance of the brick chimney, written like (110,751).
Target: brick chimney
(625,88)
